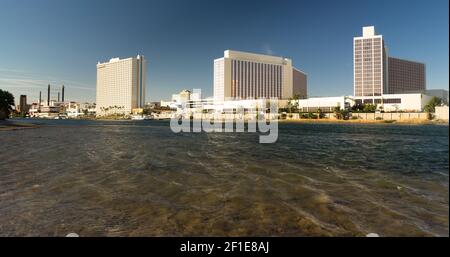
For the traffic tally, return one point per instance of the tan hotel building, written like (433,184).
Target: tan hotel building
(121,85)
(242,75)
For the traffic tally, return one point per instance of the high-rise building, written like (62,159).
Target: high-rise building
(121,85)
(405,76)
(241,75)
(299,82)
(370,64)
(376,74)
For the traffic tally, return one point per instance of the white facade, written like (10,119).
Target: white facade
(170,104)
(397,102)
(196,95)
(212,106)
(182,97)
(441,113)
(387,102)
(325,104)
(241,75)
(73,109)
(121,85)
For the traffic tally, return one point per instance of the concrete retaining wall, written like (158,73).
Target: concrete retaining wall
(441,113)
(392,116)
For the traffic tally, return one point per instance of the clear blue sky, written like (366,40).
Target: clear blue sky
(61,41)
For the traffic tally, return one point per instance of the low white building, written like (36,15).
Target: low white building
(211,106)
(397,102)
(411,102)
(73,109)
(440,93)
(170,104)
(325,104)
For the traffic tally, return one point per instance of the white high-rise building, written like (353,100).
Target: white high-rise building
(121,85)
(241,75)
(370,64)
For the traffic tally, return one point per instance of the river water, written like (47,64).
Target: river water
(138,178)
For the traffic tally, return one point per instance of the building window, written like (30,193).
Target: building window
(393,101)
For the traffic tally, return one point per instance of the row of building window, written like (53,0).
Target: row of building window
(379,101)
(251,79)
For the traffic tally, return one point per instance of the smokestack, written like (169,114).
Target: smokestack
(58,97)
(63,93)
(40,100)
(48,95)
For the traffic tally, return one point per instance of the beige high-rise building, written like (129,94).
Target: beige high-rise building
(241,75)
(370,64)
(121,85)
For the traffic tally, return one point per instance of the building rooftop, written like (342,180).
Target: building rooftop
(255,56)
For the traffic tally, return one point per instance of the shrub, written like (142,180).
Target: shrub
(312,115)
(341,114)
(369,108)
(431,106)
(6,104)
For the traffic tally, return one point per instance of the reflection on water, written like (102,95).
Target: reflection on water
(140,179)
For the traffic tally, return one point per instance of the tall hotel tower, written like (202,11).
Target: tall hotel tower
(377,74)
(241,75)
(121,85)
(370,64)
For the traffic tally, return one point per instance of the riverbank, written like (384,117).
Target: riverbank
(361,121)
(7,125)
(18,124)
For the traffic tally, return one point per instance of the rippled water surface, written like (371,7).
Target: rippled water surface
(140,179)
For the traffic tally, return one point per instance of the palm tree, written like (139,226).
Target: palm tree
(6,103)
(431,106)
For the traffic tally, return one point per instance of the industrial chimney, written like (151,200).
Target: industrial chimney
(62,94)
(58,96)
(40,101)
(48,95)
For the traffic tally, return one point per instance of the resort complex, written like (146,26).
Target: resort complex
(243,80)
(243,121)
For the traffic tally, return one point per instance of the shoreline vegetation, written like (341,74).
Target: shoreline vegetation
(9,125)
(363,121)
